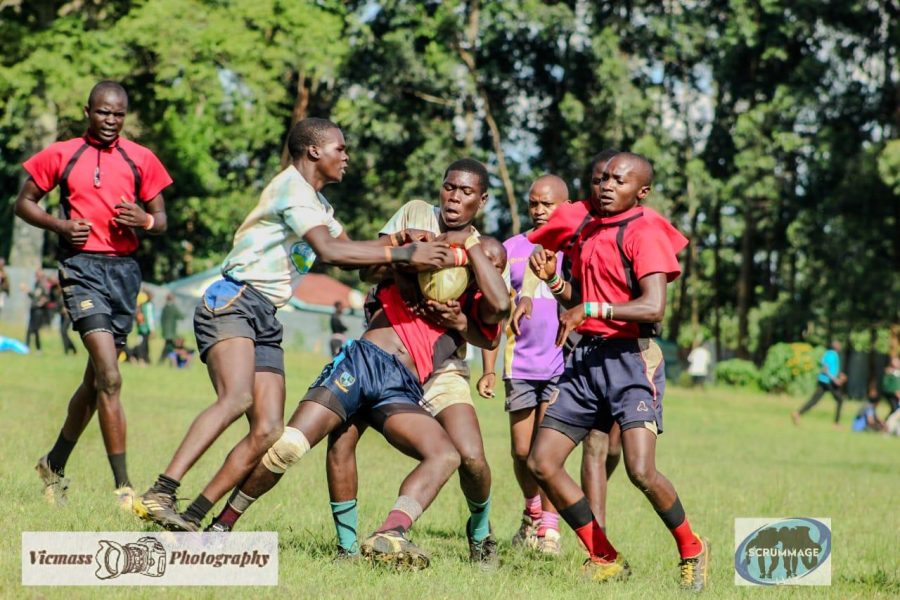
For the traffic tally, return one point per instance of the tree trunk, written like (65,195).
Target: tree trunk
(745,282)
(717,278)
(469,59)
(301,103)
(27,246)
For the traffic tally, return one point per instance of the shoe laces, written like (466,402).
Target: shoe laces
(688,566)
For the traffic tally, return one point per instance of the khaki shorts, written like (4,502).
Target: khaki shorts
(446,389)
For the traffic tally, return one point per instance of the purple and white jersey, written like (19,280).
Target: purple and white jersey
(532,355)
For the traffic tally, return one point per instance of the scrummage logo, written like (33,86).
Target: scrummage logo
(784,552)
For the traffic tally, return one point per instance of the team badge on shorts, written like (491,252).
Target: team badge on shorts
(87,304)
(642,407)
(345,381)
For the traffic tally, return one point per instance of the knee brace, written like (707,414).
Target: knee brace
(289,448)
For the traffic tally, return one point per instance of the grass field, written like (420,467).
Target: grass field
(730,454)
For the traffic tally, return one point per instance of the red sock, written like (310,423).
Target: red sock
(396,519)
(228,516)
(688,543)
(533,507)
(593,538)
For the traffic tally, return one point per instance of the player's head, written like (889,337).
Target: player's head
(338,307)
(546,193)
(624,183)
(595,170)
(494,251)
(320,142)
(835,345)
(105,111)
(463,192)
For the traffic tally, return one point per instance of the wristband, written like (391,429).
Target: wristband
(606,310)
(460,258)
(553,281)
(472,240)
(562,288)
(556,284)
(148,225)
(592,309)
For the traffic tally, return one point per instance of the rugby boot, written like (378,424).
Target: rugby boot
(526,536)
(160,508)
(550,544)
(602,570)
(392,547)
(217,527)
(55,485)
(695,570)
(484,552)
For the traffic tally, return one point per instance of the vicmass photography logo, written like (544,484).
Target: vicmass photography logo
(782,551)
(135,558)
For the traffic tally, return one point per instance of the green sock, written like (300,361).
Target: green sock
(479,526)
(346,520)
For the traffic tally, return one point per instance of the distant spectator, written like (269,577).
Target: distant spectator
(338,329)
(145,327)
(867,418)
(829,379)
(65,323)
(698,364)
(4,283)
(37,309)
(890,383)
(180,356)
(168,325)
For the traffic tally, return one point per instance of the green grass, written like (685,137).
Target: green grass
(729,454)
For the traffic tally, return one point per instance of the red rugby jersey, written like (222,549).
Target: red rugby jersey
(639,238)
(429,345)
(92,179)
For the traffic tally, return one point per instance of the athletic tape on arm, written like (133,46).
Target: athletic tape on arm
(289,448)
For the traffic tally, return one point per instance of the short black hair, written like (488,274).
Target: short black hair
(643,160)
(308,132)
(470,165)
(602,156)
(107,85)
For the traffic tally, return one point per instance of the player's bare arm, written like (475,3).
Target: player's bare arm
(74,231)
(649,307)
(424,256)
(151,218)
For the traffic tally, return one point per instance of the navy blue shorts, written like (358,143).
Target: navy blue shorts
(232,309)
(609,381)
(364,378)
(100,292)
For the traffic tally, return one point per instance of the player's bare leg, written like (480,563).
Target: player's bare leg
(343,484)
(461,424)
(601,453)
(639,447)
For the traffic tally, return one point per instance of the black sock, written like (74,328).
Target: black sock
(674,515)
(59,455)
(196,512)
(120,472)
(578,515)
(166,485)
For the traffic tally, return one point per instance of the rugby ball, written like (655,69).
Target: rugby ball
(445,284)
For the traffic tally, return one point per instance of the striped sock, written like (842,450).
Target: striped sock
(346,522)
(533,508)
(479,526)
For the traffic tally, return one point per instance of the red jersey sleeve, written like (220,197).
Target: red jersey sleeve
(154,177)
(490,331)
(45,166)
(561,226)
(651,251)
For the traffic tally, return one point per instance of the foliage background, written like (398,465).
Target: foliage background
(771,124)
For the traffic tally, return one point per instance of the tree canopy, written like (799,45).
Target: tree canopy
(772,126)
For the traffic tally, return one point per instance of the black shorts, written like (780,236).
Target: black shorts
(609,381)
(231,309)
(100,292)
(365,379)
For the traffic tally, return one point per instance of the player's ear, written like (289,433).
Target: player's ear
(314,152)
(642,193)
(87,111)
(482,201)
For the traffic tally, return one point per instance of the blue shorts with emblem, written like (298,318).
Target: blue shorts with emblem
(606,381)
(364,378)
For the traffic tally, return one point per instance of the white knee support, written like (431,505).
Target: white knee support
(289,448)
